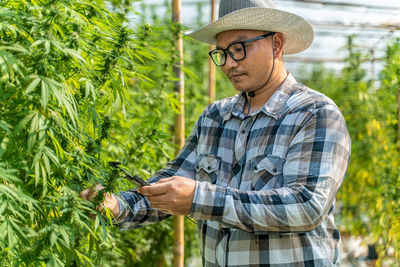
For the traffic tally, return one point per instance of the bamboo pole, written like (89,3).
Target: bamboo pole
(372,52)
(398,115)
(179,127)
(211,74)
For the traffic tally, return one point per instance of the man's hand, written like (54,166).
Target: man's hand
(110,201)
(173,195)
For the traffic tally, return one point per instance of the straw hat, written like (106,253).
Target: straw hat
(259,15)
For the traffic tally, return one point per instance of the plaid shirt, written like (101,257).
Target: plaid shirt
(266,182)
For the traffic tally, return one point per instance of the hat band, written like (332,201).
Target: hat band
(227,7)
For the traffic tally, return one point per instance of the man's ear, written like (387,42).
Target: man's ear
(278,41)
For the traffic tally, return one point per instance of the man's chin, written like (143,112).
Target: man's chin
(239,86)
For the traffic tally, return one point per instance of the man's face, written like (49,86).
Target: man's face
(252,72)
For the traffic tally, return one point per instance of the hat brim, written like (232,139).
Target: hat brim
(297,32)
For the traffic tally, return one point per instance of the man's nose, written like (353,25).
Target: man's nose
(230,62)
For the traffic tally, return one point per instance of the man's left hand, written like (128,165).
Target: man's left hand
(173,195)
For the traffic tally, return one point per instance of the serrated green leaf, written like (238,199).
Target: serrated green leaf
(91,243)
(46,163)
(96,223)
(33,132)
(44,180)
(15,47)
(104,228)
(11,237)
(71,112)
(3,145)
(58,29)
(47,46)
(23,122)
(20,231)
(50,154)
(37,42)
(90,90)
(6,63)
(3,207)
(65,237)
(53,238)
(37,172)
(32,85)
(9,192)
(45,94)
(3,230)
(5,126)
(76,257)
(75,54)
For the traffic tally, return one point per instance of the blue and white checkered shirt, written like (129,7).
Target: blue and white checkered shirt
(266,182)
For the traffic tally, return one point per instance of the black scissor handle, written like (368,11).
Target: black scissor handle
(137,180)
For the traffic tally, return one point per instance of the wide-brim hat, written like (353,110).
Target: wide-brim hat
(258,15)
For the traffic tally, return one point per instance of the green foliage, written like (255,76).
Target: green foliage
(368,199)
(78,88)
(75,93)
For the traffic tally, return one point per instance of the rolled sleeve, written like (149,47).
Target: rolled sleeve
(122,210)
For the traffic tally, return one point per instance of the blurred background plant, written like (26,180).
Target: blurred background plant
(369,200)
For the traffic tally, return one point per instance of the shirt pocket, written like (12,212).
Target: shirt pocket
(267,172)
(207,167)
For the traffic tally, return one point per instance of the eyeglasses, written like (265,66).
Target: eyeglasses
(236,50)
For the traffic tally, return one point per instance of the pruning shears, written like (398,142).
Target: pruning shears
(137,180)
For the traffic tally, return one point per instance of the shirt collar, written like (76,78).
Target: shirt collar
(271,108)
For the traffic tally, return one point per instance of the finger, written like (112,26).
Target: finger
(161,206)
(94,191)
(85,193)
(92,194)
(144,190)
(157,199)
(147,191)
(165,211)
(154,189)
(165,180)
(98,187)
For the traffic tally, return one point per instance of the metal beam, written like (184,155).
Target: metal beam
(319,2)
(320,59)
(345,4)
(361,26)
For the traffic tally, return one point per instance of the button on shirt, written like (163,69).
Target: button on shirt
(266,181)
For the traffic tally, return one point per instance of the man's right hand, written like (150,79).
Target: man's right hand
(110,201)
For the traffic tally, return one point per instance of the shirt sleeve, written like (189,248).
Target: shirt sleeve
(135,209)
(313,171)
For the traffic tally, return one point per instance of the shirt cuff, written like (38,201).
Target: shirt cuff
(122,210)
(208,201)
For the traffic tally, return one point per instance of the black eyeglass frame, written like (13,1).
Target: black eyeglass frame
(243,43)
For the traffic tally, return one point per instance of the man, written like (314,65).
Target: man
(260,170)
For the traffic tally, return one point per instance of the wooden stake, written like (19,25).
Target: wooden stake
(398,115)
(179,128)
(372,51)
(211,78)
(212,67)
